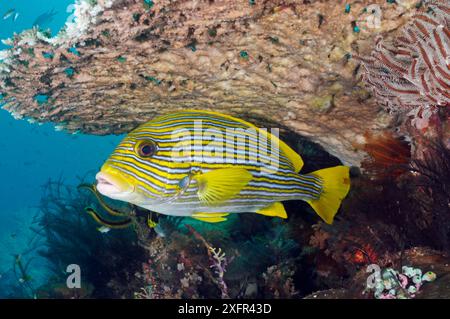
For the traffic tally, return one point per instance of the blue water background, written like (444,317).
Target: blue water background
(32,154)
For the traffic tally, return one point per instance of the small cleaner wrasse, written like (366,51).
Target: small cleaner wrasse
(206,165)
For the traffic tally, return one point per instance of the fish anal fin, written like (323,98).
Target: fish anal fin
(210,217)
(274,210)
(219,185)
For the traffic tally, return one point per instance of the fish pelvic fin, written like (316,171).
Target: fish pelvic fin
(274,210)
(217,186)
(210,217)
(336,185)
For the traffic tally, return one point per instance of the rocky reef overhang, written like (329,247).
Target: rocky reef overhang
(280,63)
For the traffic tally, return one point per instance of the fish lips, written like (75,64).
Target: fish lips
(113,186)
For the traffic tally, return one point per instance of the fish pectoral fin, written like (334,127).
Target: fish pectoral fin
(274,210)
(219,185)
(210,217)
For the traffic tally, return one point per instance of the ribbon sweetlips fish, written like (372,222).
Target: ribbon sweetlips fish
(207,165)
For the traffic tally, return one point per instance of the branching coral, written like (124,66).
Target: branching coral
(188,265)
(413,71)
(432,191)
(176,269)
(219,262)
(107,261)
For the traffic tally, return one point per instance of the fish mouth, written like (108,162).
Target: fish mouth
(106,185)
(112,184)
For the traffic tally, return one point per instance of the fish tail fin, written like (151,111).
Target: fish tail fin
(335,186)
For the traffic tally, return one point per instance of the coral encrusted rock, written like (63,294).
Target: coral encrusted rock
(286,64)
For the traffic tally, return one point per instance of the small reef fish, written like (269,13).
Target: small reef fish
(124,222)
(45,18)
(9,14)
(159,231)
(116,224)
(16,16)
(206,165)
(104,229)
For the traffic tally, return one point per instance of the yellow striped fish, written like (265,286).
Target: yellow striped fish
(206,165)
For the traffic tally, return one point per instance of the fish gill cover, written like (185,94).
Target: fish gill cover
(361,83)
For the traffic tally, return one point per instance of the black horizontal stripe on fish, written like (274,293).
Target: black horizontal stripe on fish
(108,223)
(105,206)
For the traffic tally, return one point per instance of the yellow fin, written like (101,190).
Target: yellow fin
(336,185)
(150,222)
(274,210)
(210,217)
(219,185)
(292,155)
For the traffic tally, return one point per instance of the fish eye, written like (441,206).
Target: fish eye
(146,148)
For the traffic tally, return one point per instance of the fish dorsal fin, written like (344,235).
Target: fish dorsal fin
(295,159)
(219,185)
(292,155)
(274,210)
(210,217)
